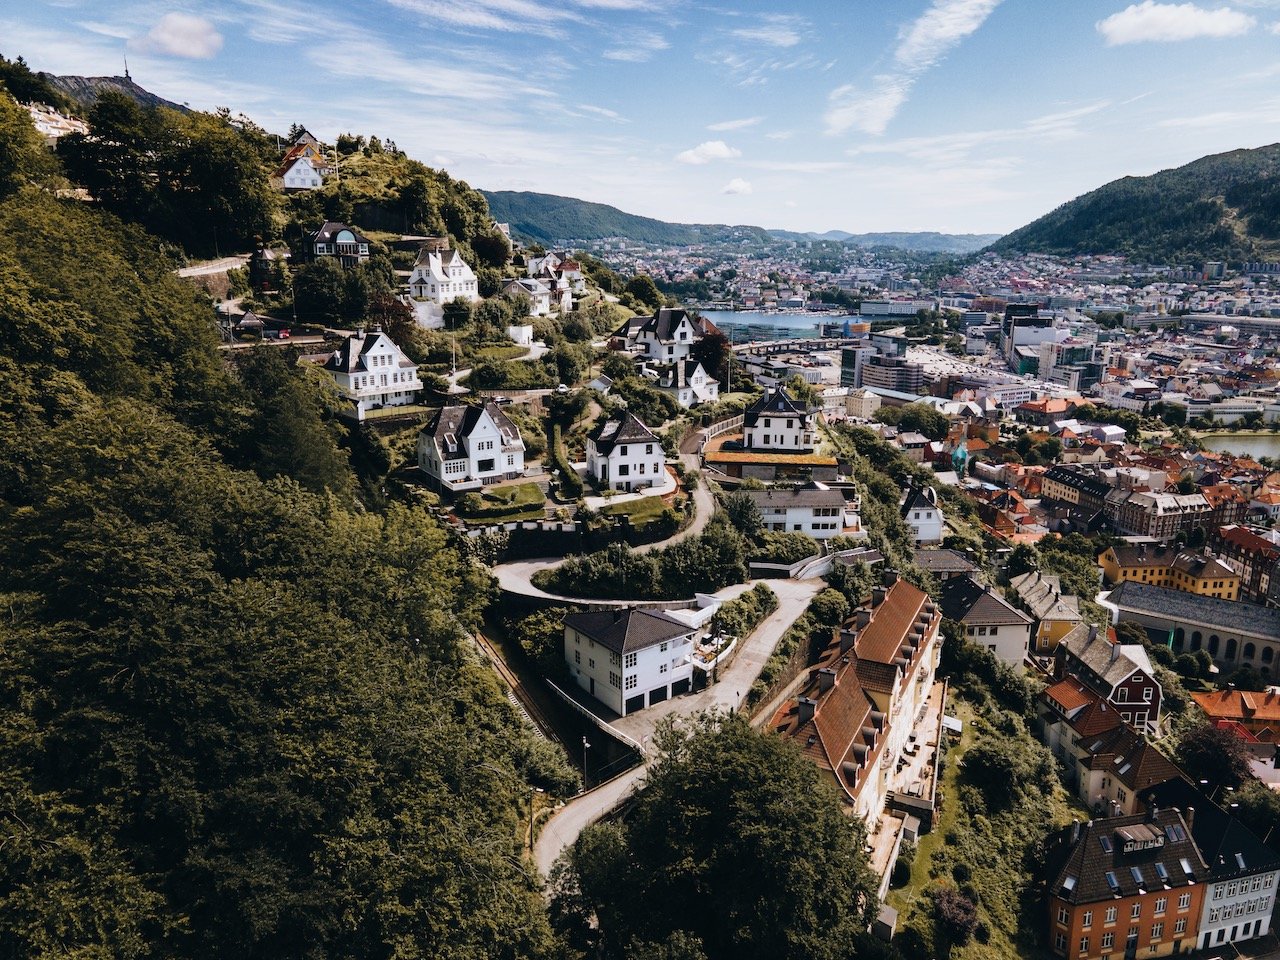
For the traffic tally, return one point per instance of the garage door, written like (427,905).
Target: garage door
(635,703)
(657,696)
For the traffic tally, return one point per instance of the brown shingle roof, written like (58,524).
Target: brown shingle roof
(881,639)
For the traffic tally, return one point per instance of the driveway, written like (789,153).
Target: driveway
(735,680)
(213,266)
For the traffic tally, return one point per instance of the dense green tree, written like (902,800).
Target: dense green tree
(718,849)
(743,513)
(645,291)
(1214,754)
(22,156)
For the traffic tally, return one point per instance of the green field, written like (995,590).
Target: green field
(506,504)
(641,512)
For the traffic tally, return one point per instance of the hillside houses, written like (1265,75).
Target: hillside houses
(468,447)
(371,372)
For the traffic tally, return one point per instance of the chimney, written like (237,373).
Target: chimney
(848,638)
(863,618)
(1153,812)
(826,679)
(1190,818)
(617,614)
(890,578)
(1075,831)
(877,596)
(806,707)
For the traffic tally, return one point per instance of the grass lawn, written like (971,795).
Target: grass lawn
(507,504)
(642,511)
(500,352)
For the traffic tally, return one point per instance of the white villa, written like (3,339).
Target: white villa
(440,276)
(301,174)
(539,294)
(371,371)
(667,336)
(814,509)
(777,422)
(686,382)
(623,454)
(922,514)
(629,659)
(466,447)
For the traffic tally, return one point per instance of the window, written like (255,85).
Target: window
(662,647)
(1180,926)
(631,660)
(1161,903)
(1062,916)
(1157,931)
(577,657)
(631,682)
(1184,901)
(662,668)
(591,662)
(648,448)
(1146,694)
(1107,940)
(614,680)
(1111,915)
(1060,942)
(1135,912)
(1087,919)
(1084,944)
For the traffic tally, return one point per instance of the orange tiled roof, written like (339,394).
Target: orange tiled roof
(1069,695)
(1240,705)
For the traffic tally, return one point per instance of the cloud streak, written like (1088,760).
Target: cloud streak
(737,187)
(707,151)
(1151,22)
(922,44)
(741,124)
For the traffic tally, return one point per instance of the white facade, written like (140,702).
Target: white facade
(625,455)
(1008,641)
(441,276)
(632,680)
(814,510)
(688,387)
(862,404)
(302,175)
(667,343)
(777,423)
(923,515)
(465,448)
(1238,909)
(373,372)
(537,292)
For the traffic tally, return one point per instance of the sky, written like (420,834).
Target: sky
(949,115)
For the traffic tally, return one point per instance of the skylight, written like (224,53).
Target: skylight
(1175,833)
(1106,844)
(1240,860)
(1069,884)
(1112,882)
(1136,873)
(1161,872)
(1186,866)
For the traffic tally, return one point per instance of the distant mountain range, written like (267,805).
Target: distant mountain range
(84,90)
(555,220)
(1220,207)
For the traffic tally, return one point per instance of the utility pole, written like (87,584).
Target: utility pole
(585,747)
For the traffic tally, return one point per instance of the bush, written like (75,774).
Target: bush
(955,914)
(740,616)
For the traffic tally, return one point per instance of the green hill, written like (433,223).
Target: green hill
(550,219)
(1221,207)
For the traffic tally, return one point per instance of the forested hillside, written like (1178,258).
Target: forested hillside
(237,715)
(549,219)
(1222,207)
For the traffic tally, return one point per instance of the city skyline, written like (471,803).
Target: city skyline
(950,115)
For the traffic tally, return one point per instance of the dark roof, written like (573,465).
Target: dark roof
(1188,562)
(457,422)
(919,498)
(1225,843)
(812,494)
(777,402)
(625,631)
(1102,661)
(628,429)
(329,228)
(1124,753)
(1094,867)
(1077,480)
(964,599)
(349,358)
(944,561)
(1204,613)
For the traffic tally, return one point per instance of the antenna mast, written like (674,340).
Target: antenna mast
(126,67)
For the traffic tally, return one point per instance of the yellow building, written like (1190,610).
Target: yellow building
(1170,568)
(1056,613)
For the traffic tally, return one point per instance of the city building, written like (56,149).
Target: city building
(1159,516)
(989,620)
(337,241)
(861,404)
(946,564)
(920,510)
(892,373)
(624,454)
(1254,557)
(667,336)
(629,659)
(440,275)
(1056,614)
(1257,713)
(814,509)
(371,371)
(1074,495)
(1162,566)
(863,696)
(467,447)
(1234,633)
(777,422)
(1125,887)
(1119,673)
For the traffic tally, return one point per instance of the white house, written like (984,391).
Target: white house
(687,383)
(629,659)
(336,240)
(923,515)
(301,174)
(777,422)
(467,447)
(814,509)
(539,294)
(989,620)
(372,372)
(624,454)
(667,336)
(442,276)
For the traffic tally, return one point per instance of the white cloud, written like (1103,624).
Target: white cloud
(737,187)
(921,45)
(602,112)
(1166,22)
(780,134)
(734,124)
(181,35)
(774,30)
(707,151)
(637,47)
(1275,27)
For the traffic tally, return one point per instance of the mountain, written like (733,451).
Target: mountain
(85,90)
(925,241)
(547,218)
(1220,207)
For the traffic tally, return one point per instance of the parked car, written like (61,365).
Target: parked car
(563,388)
(501,401)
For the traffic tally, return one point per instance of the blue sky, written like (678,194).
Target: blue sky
(953,115)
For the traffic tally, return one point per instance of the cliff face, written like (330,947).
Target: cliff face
(85,90)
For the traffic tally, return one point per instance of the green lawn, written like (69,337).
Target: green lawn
(500,352)
(641,512)
(506,505)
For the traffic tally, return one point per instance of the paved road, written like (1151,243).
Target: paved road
(214,266)
(578,814)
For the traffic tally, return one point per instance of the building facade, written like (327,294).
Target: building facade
(441,275)
(1162,566)
(920,510)
(372,372)
(624,454)
(814,509)
(336,241)
(629,659)
(1119,673)
(777,422)
(468,447)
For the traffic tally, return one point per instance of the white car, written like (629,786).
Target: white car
(563,388)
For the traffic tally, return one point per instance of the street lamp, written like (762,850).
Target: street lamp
(585,747)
